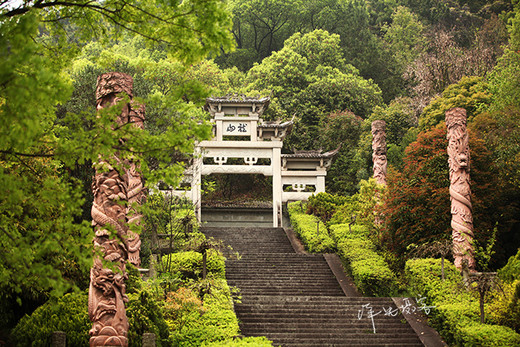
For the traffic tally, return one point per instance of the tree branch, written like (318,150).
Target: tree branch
(31,155)
(41,5)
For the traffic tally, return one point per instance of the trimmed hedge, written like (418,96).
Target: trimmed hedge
(188,265)
(305,226)
(324,205)
(370,272)
(193,322)
(504,308)
(185,321)
(456,316)
(68,314)
(145,316)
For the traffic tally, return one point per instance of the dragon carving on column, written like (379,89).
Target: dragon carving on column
(379,150)
(114,189)
(135,192)
(460,192)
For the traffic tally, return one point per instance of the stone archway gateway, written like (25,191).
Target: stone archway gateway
(256,148)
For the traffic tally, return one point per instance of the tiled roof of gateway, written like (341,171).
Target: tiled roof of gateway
(275,124)
(235,97)
(312,154)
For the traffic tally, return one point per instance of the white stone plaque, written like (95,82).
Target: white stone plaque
(236,128)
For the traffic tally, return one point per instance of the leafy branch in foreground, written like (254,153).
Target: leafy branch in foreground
(42,237)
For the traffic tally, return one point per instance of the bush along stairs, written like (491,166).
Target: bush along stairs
(296,300)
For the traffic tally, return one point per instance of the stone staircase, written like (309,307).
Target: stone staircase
(237,216)
(295,299)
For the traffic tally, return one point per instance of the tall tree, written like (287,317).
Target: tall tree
(417,205)
(341,128)
(404,36)
(259,28)
(400,122)
(308,78)
(470,93)
(445,62)
(499,126)
(39,201)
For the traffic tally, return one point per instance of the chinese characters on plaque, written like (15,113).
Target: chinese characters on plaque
(236,128)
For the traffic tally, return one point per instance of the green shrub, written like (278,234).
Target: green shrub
(188,265)
(424,277)
(370,272)
(350,249)
(511,271)
(145,316)
(324,205)
(373,277)
(504,306)
(67,314)
(259,341)
(306,227)
(362,205)
(474,334)
(339,232)
(70,315)
(456,315)
(193,322)
(448,318)
(134,282)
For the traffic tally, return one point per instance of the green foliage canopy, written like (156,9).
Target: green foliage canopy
(470,93)
(309,78)
(38,40)
(417,205)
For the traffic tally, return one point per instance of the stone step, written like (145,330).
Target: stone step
(299,271)
(291,292)
(232,230)
(339,332)
(266,285)
(353,310)
(245,251)
(295,299)
(367,341)
(277,258)
(347,322)
(340,343)
(245,237)
(303,264)
(327,337)
(288,290)
(247,234)
(329,325)
(282,281)
(321,323)
(287,275)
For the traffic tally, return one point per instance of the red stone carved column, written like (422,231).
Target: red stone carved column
(135,193)
(460,192)
(379,150)
(112,240)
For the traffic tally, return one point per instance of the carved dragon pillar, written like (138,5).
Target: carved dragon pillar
(379,150)
(135,191)
(460,192)
(114,242)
